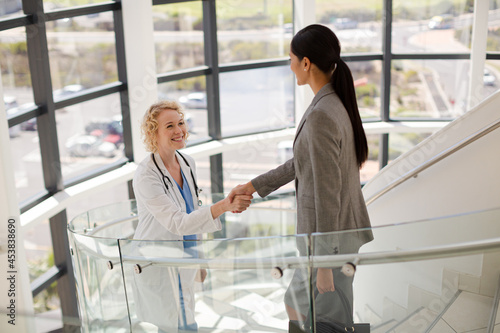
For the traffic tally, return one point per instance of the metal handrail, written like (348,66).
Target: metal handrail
(385,257)
(91,232)
(415,171)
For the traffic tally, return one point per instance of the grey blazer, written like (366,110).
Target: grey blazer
(326,175)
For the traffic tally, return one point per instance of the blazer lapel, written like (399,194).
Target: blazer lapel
(325,90)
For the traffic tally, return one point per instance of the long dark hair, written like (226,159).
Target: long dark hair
(322,47)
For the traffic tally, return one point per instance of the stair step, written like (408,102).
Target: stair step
(385,327)
(469,312)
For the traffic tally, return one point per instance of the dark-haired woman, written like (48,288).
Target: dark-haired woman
(329,149)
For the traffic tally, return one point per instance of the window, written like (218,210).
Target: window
(82,53)
(253,29)
(256,100)
(431,26)
(90,135)
(178,34)
(429,88)
(358,25)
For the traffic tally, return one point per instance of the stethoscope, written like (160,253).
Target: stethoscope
(196,190)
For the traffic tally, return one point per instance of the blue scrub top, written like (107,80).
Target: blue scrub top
(188,199)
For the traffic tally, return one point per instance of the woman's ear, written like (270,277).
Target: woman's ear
(307,63)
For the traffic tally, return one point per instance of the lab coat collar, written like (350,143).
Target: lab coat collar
(187,174)
(163,168)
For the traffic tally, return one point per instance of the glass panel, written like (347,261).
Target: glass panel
(429,88)
(256,100)
(457,289)
(104,218)
(419,294)
(253,29)
(178,34)
(231,288)
(227,284)
(40,258)
(493,43)
(16,77)
(99,282)
(58,4)
(367,76)
(254,158)
(82,53)
(191,94)
(400,143)
(358,25)
(90,135)
(331,282)
(26,160)
(11,8)
(431,26)
(371,166)
(109,196)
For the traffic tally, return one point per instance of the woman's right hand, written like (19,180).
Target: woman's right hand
(239,203)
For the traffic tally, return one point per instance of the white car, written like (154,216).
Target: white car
(89,145)
(195,100)
(488,78)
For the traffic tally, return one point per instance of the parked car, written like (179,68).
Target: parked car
(488,78)
(195,100)
(107,129)
(68,90)
(89,145)
(345,23)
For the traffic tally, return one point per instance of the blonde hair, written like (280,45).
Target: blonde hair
(149,125)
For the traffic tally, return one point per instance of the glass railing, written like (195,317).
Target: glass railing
(426,276)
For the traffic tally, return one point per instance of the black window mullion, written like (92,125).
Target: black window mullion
(38,57)
(212,61)
(387,59)
(122,77)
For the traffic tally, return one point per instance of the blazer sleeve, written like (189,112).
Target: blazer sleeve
(274,179)
(325,143)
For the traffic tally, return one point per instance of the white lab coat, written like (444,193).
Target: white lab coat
(162,216)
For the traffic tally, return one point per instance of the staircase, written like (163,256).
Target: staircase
(466,304)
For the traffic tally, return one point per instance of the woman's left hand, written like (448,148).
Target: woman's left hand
(201,274)
(324,280)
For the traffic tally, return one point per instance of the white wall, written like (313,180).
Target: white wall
(463,182)
(466,181)
(141,65)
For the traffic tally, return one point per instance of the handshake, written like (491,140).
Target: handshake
(240,198)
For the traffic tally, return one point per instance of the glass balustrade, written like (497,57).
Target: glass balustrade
(438,275)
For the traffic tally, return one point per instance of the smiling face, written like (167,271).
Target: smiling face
(172,130)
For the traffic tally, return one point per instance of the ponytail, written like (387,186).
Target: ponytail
(343,85)
(322,47)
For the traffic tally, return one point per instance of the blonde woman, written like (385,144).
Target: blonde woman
(166,192)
